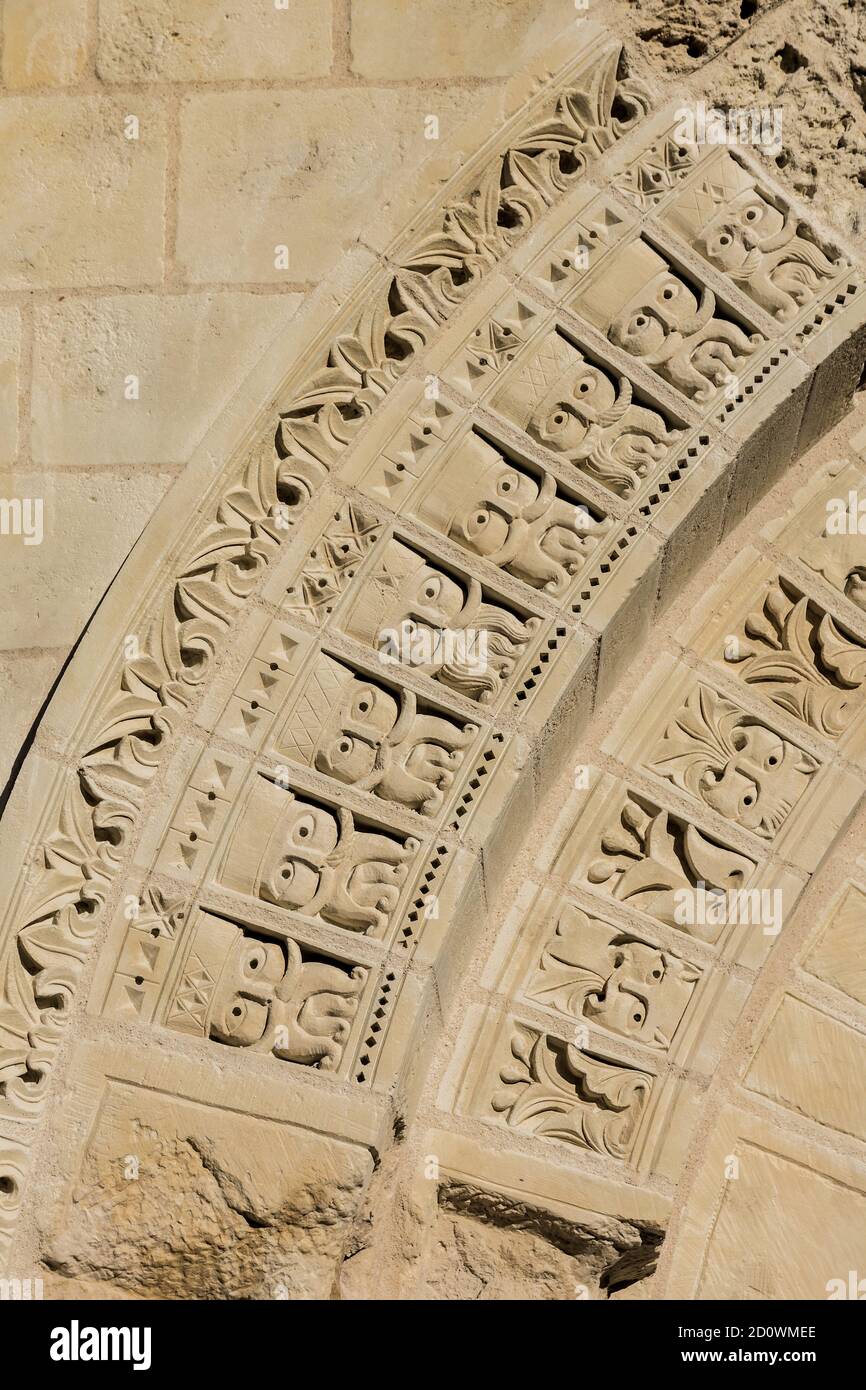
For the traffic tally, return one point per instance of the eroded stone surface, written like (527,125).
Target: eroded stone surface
(351,807)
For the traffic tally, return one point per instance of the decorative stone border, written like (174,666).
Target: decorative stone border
(171,783)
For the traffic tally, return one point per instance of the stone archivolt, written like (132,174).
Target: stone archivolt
(275,834)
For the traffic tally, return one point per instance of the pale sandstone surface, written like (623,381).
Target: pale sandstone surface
(69,578)
(45,45)
(375,987)
(27,677)
(178,350)
(10,350)
(78,176)
(197,41)
(806,58)
(260,170)
(221,1206)
(836,956)
(395,38)
(780,1230)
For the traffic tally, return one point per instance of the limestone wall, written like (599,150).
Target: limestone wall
(336,964)
(256,127)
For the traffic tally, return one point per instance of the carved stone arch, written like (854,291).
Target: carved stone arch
(264,836)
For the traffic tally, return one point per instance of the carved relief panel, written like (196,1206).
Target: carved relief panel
(654,312)
(445,626)
(268,994)
(610,978)
(317,859)
(797,655)
(733,762)
(373,735)
(753,237)
(586,415)
(552,1089)
(512,515)
(652,860)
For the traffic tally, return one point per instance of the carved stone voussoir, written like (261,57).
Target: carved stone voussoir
(554,1090)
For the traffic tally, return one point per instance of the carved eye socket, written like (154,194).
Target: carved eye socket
(748,799)
(431,590)
(304,828)
(774,758)
(752,214)
(724,239)
(508,483)
(639,322)
(255,962)
(287,873)
(656,974)
(345,746)
(669,291)
(639,1014)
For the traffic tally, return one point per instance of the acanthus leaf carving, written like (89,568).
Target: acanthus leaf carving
(589,970)
(733,762)
(651,858)
(555,1090)
(802,660)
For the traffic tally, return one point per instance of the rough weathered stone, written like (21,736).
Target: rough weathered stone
(195,41)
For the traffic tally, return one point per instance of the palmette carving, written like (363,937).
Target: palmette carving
(733,762)
(655,315)
(590,971)
(554,1090)
(355,729)
(180,641)
(802,660)
(757,242)
(266,995)
(651,858)
(415,611)
(506,515)
(311,858)
(582,413)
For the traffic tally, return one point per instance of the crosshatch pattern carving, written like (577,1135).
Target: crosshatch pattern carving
(321,834)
